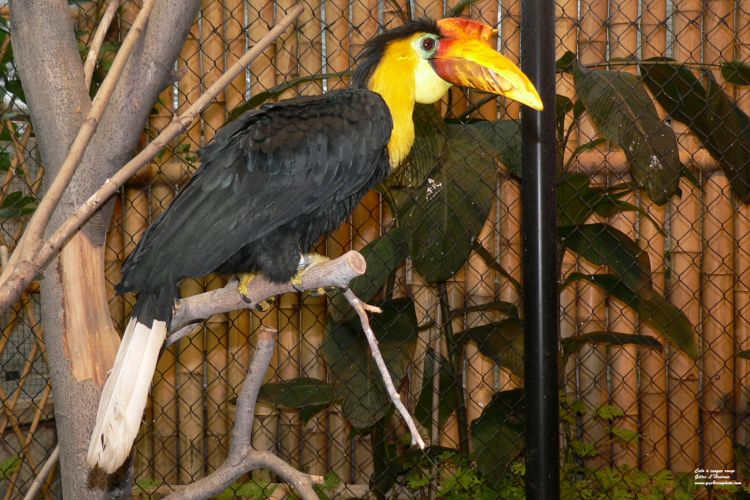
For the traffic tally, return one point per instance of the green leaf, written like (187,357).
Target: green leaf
(501,341)
(499,435)
(505,137)
(623,112)
(273,93)
(721,126)
(9,466)
(566,62)
(736,72)
(651,307)
(16,204)
(444,217)
(308,395)
(571,345)
(625,435)
(602,244)
(447,395)
(383,256)
(609,412)
(355,376)
(460,8)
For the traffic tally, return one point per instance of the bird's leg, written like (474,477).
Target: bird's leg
(307,261)
(243,289)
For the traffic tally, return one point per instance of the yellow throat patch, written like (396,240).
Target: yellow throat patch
(394,80)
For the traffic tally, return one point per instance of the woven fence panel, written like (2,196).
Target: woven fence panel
(654,273)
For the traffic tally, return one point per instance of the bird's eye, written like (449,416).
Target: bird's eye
(428,44)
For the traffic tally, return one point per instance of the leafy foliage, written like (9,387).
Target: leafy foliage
(623,112)
(721,126)
(16,205)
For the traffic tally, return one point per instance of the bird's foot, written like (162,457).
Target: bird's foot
(306,262)
(244,290)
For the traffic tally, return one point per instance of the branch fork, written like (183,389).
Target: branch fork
(242,457)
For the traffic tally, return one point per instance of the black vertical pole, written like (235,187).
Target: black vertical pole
(541,309)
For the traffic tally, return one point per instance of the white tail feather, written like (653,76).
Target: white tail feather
(124,395)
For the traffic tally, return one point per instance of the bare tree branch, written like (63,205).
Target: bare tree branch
(242,458)
(361,308)
(38,223)
(335,273)
(338,272)
(39,479)
(98,41)
(18,276)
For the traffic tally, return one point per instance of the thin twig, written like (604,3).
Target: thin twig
(22,273)
(98,41)
(32,237)
(242,458)
(362,308)
(39,479)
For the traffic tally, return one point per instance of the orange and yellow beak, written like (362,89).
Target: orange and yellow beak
(465,57)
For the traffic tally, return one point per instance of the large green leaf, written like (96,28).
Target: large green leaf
(445,215)
(623,112)
(651,307)
(355,376)
(501,341)
(602,244)
(308,395)
(574,344)
(736,72)
(505,137)
(711,115)
(577,200)
(499,435)
(383,256)
(447,394)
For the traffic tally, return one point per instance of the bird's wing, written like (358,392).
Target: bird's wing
(259,172)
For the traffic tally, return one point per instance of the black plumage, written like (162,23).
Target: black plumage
(271,183)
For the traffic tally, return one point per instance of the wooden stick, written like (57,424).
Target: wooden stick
(742,263)
(46,469)
(623,44)
(652,393)
(683,414)
(718,324)
(98,41)
(21,274)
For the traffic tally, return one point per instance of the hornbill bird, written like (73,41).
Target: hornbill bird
(276,179)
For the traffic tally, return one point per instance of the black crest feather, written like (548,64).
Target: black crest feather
(374,49)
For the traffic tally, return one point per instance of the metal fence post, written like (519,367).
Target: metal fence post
(541,309)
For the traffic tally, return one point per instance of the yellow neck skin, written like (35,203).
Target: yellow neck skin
(393,79)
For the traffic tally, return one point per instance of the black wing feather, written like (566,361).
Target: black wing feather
(262,170)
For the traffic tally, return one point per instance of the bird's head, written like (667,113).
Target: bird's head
(433,56)
(420,61)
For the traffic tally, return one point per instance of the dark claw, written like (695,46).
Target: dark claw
(246,298)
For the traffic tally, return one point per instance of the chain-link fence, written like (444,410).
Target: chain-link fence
(654,266)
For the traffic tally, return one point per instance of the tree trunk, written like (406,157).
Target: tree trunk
(81,340)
